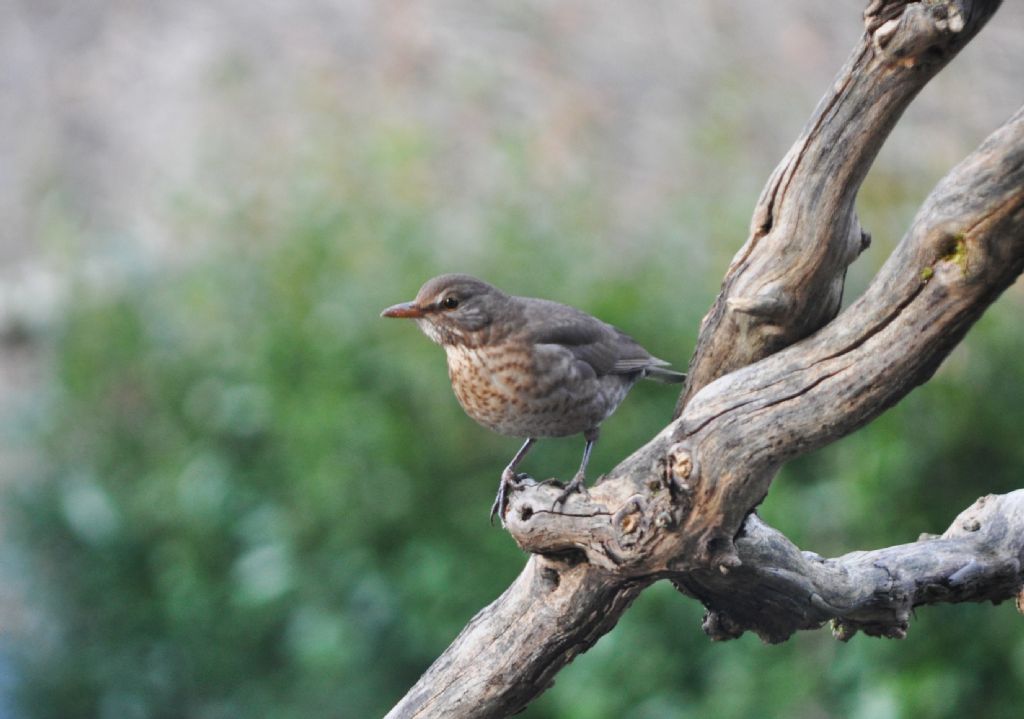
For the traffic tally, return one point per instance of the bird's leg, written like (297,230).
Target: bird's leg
(578,483)
(508,478)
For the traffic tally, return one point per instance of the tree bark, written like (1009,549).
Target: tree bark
(776,374)
(787,280)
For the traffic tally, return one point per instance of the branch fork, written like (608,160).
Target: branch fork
(778,372)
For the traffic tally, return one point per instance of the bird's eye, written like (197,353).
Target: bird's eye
(450,302)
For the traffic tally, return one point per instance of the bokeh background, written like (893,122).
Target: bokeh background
(230,490)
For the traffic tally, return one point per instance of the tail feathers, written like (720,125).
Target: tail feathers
(664,375)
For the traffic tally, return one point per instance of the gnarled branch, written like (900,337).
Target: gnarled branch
(778,589)
(787,280)
(777,374)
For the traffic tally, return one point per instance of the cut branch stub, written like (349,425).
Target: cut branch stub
(629,535)
(787,280)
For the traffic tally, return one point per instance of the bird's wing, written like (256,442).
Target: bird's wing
(637,364)
(605,348)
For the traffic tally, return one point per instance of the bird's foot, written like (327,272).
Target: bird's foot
(578,484)
(509,480)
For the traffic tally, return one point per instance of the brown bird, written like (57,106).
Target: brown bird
(528,367)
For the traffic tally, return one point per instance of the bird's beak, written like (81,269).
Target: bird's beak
(403,309)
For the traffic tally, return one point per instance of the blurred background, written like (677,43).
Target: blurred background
(230,490)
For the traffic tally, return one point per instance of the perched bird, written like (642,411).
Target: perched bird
(528,367)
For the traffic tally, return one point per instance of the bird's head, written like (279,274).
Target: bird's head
(454,309)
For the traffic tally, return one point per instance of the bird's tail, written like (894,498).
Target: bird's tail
(664,375)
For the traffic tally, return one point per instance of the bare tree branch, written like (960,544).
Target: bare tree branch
(777,374)
(778,589)
(511,650)
(787,280)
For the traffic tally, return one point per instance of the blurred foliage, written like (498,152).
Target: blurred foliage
(256,498)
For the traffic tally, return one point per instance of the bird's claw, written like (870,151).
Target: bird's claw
(498,503)
(578,484)
(509,479)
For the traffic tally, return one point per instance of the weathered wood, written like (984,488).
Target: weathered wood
(777,374)
(512,649)
(778,589)
(787,279)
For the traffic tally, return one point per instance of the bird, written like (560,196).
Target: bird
(528,367)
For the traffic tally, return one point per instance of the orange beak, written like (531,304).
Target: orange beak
(403,309)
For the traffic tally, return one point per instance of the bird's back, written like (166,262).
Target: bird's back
(604,347)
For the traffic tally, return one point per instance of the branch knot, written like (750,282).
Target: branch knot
(907,33)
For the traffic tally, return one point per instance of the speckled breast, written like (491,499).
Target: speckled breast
(539,391)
